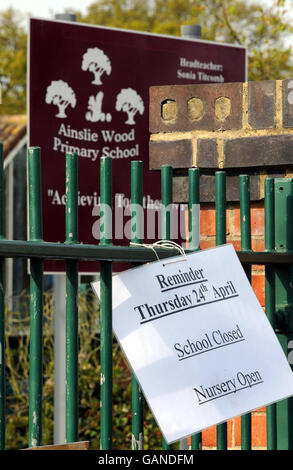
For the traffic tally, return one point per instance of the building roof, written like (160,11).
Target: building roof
(12,131)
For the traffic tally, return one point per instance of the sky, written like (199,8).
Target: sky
(45,8)
(48,8)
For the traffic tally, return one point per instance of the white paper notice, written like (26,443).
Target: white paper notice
(198,341)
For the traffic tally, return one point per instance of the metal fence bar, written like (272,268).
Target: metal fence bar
(245,225)
(36,250)
(283,200)
(2,313)
(36,299)
(270,296)
(193,243)
(136,237)
(61,251)
(220,181)
(106,305)
(135,254)
(196,441)
(220,189)
(193,208)
(71,229)
(167,198)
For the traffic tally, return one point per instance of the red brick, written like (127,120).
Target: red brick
(257,220)
(237,431)
(207,222)
(205,244)
(235,243)
(207,186)
(235,222)
(207,153)
(261,104)
(229,434)
(260,151)
(177,153)
(258,285)
(287,105)
(257,244)
(258,432)
(259,268)
(181,96)
(209,437)
(261,410)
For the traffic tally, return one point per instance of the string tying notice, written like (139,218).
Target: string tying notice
(168,245)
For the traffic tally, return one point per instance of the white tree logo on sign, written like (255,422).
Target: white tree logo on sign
(129,101)
(60,94)
(96,61)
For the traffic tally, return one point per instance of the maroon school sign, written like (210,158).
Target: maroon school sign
(89,93)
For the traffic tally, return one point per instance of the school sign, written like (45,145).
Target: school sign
(89,93)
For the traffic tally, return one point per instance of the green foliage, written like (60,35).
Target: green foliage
(159,16)
(121,14)
(13,53)
(261,26)
(17,367)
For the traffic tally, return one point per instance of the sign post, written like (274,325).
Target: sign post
(59,287)
(89,94)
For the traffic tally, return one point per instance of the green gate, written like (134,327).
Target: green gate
(277,259)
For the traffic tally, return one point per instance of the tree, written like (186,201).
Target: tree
(13,53)
(96,61)
(130,102)
(130,14)
(261,27)
(60,94)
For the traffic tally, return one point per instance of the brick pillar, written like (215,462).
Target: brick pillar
(242,128)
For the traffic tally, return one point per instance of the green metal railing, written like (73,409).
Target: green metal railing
(278,270)
(270,296)
(136,237)
(36,302)
(71,237)
(220,188)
